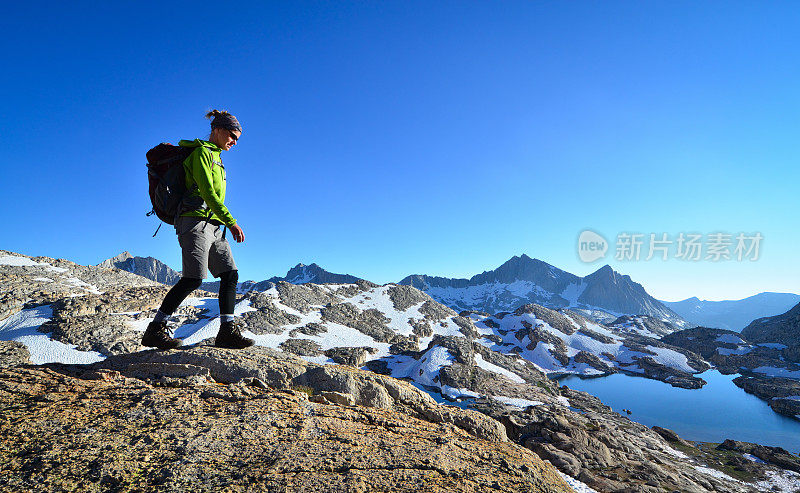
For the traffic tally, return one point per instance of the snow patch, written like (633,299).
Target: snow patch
(782,481)
(455,393)
(424,370)
(675,453)
(715,473)
(138,325)
(497,369)
(23,327)
(574,291)
(771,371)
(671,358)
(753,458)
(772,345)
(320,360)
(739,350)
(577,486)
(729,339)
(74,281)
(17,261)
(517,402)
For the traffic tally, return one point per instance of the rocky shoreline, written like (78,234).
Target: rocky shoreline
(762,365)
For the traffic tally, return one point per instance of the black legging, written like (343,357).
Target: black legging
(179,292)
(227,291)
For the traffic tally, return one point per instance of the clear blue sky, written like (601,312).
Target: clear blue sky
(383,139)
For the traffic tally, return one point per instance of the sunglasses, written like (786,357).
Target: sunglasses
(233,136)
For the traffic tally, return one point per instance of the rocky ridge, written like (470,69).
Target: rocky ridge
(783,328)
(29,281)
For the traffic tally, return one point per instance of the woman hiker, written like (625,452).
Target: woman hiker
(202,239)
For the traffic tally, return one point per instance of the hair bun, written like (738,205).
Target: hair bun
(215,113)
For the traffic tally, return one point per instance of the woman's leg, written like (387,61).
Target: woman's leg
(176,295)
(158,334)
(221,264)
(194,249)
(230,330)
(227,294)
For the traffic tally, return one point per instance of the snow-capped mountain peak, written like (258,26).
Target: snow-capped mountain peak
(603,295)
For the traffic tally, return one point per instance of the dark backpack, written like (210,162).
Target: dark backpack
(167,180)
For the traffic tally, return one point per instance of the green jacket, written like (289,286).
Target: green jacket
(205,180)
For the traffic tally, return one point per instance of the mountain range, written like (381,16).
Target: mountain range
(732,314)
(299,274)
(603,295)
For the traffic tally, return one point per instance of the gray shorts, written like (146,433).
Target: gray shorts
(202,245)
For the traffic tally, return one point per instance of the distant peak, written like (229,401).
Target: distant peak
(308,268)
(605,274)
(604,270)
(109,262)
(522,259)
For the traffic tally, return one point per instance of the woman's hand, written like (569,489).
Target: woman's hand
(238,234)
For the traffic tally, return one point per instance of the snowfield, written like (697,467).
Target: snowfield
(613,351)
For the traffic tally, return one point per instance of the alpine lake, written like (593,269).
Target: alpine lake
(718,411)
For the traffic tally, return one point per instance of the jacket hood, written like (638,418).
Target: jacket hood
(198,143)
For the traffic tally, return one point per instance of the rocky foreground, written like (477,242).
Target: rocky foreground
(206,418)
(66,429)
(332,363)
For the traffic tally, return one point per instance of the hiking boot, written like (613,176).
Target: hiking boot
(230,336)
(158,335)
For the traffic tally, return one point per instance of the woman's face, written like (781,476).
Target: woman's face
(224,138)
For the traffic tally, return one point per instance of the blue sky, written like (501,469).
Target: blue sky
(383,139)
